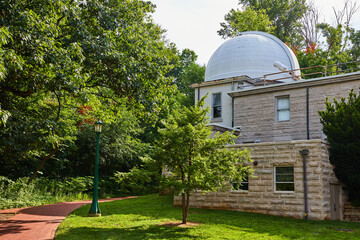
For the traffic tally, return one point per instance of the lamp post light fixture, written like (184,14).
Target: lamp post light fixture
(95,210)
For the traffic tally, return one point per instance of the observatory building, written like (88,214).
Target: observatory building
(254,87)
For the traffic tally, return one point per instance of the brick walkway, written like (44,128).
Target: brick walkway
(38,223)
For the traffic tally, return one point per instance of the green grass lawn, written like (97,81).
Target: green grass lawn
(139,218)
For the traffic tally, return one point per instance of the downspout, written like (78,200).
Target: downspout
(198,94)
(304,154)
(232,112)
(307,114)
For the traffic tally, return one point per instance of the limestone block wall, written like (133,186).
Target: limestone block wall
(262,197)
(255,109)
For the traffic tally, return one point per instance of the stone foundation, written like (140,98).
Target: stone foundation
(262,197)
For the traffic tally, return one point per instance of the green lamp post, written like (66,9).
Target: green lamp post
(95,210)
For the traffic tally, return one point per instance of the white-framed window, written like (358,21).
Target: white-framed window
(283,108)
(216,105)
(284,178)
(243,185)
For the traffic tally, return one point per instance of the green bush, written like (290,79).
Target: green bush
(137,181)
(15,194)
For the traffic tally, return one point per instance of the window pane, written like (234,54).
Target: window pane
(285,178)
(283,103)
(285,170)
(217,112)
(216,99)
(284,186)
(283,115)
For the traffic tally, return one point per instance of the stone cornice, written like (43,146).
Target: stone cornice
(298,84)
(252,145)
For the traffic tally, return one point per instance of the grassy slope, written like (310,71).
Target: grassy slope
(139,218)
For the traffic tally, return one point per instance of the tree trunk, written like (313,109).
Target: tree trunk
(184,208)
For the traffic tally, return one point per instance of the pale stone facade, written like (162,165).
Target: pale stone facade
(276,144)
(261,197)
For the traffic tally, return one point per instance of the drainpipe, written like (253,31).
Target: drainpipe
(304,154)
(198,94)
(307,114)
(232,112)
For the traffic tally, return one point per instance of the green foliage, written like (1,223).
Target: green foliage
(341,124)
(355,40)
(15,194)
(137,181)
(186,72)
(58,56)
(248,19)
(280,17)
(194,159)
(120,149)
(149,217)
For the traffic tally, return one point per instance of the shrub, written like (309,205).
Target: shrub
(137,181)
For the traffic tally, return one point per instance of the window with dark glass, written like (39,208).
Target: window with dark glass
(284,178)
(283,109)
(243,185)
(216,105)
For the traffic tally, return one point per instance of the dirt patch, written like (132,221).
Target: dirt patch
(180,224)
(4,216)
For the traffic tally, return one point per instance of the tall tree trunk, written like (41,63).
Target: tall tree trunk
(187,206)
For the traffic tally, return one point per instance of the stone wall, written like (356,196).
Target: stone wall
(351,213)
(262,197)
(255,109)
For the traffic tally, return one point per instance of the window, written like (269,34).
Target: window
(284,178)
(283,109)
(243,185)
(216,105)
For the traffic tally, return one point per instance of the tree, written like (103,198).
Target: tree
(194,158)
(341,124)
(59,55)
(248,19)
(283,15)
(194,73)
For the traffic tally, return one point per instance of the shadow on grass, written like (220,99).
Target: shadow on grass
(218,223)
(152,232)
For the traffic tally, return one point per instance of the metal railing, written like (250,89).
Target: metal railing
(324,72)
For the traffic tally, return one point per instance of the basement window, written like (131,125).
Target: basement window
(283,108)
(284,179)
(216,105)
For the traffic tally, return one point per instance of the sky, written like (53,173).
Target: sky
(194,24)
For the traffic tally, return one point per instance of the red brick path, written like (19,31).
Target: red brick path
(38,223)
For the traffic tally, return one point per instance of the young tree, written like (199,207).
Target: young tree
(341,124)
(195,158)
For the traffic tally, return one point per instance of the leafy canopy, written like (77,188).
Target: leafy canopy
(58,56)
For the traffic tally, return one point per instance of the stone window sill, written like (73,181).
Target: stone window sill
(215,120)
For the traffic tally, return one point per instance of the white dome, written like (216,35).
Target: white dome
(252,54)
